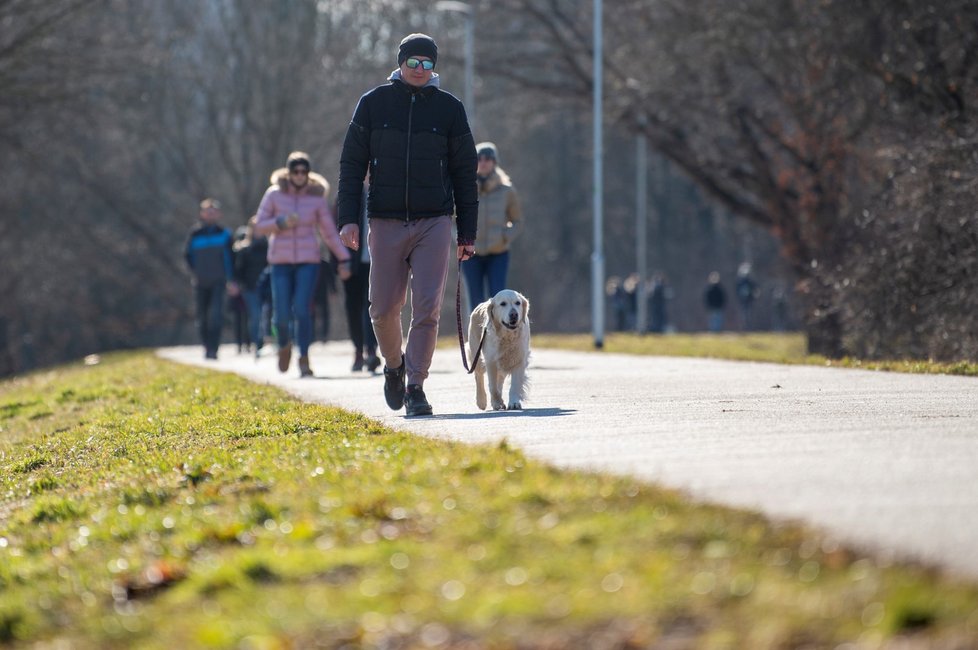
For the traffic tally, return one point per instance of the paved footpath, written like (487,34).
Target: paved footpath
(881,460)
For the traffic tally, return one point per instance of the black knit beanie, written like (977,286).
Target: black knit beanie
(297,158)
(415,44)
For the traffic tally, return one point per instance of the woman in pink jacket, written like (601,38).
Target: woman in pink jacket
(290,213)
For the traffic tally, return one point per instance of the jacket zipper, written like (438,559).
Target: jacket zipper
(295,239)
(407,163)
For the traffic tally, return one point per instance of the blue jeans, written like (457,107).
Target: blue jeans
(716,320)
(292,288)
(480,270)
(252,302)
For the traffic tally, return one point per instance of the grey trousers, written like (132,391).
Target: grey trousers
(402,253)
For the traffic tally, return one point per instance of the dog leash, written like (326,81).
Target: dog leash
(458,320)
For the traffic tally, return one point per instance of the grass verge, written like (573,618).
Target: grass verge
(147,504)
(771,347)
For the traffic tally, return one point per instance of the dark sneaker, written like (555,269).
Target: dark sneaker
(416,402)
(394,386)
(373,362)
(357,363)
(284,357)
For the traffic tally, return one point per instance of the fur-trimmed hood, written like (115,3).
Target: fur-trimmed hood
(495,179)
(317,185)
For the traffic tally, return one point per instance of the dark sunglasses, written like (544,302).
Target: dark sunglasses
(299,170)
(425,65)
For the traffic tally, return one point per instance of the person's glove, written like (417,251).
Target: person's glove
(285,222)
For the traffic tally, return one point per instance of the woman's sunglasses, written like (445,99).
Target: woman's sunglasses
(425,65)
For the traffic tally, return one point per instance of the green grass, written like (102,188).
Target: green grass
(769,347)
(146,504)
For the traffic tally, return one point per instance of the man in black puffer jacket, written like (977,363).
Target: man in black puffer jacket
(416,143)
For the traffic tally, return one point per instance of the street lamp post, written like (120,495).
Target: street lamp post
(641,224)
(597,256)
(464,8)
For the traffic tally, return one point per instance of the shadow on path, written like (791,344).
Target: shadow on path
(532,413)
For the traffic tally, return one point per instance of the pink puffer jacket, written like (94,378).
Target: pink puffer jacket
(298,245)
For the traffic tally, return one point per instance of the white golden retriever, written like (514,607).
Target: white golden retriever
(506,350)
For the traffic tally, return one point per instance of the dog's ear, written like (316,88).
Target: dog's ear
(497,315)
(526,307)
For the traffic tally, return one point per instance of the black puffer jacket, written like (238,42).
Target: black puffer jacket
(420,153)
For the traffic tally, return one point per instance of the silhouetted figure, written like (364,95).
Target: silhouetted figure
(631,287)
(746,294)
(658,295)
(250,262)
(615,290)
(239,320)
(715,299)
(356,290)
(325,286)
(779,309)
(209,257)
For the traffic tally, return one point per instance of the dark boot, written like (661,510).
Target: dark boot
(304,369)
(357,362)
(284,357)
(373,361)
(415,401)
(394,386)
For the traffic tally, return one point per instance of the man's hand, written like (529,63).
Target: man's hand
(465,252)
(350,236)
(343,269)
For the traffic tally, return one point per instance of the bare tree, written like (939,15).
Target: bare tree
(776,110)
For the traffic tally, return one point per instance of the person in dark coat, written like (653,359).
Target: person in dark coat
(325,288)
(250,260)
(356,290)
(659,294)
(747,291)
(415,141)
(210,259)
(715,299)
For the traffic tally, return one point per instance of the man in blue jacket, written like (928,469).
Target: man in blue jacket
(211,262)
(415,141)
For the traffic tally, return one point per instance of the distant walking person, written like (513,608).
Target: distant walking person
(779,308)
(250,260)
(747,291)
(659,294)
(614,288)
(357,300)
(416,143)
(292,211)
(715,299)
(325,287)
(236,303)
(209,257)
(500,222)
